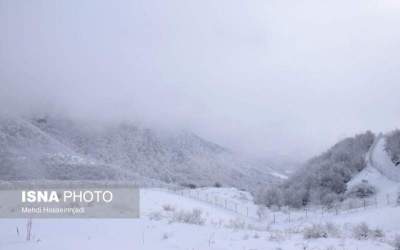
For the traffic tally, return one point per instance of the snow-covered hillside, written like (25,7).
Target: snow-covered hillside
(60,148)
(182,219)
(162,226)
(380,172)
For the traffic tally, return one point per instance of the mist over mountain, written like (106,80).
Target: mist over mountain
(55,147)
(258,77)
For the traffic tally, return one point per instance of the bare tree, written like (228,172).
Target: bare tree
(29,229)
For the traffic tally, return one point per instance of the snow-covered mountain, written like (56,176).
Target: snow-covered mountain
(61,148)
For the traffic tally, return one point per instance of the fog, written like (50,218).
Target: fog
(268,78)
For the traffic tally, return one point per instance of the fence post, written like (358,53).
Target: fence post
(247,211)
(364,204)
(274,218)
(226,203)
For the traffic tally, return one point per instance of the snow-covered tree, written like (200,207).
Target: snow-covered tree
(323,179)
(393,146)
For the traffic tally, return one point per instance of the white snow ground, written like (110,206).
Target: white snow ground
(285,177)
(224,229)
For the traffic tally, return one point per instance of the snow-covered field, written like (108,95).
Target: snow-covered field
(158,228)
(224,218)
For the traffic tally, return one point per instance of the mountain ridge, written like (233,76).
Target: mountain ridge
(61,148)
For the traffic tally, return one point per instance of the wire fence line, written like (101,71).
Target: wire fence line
(218,201)
(346,207)
(286,214)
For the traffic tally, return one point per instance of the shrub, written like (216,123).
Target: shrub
(315,232)
(270,197)
(392,145)
(398,199)
(261,212)
(155,216)
(378,233)
(166,236)
(362,190)
(332,230)
(352,203)
(276,235)
(236,224)
(361,231)
(328,199)
(168,208)
(189,185)
(321,231)
(189,217)
(217,185)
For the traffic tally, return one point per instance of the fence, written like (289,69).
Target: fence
(285,214)
(348,206)
(223,203)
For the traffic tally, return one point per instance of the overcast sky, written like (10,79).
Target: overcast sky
(267,77)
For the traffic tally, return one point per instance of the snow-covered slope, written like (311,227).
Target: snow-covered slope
(380,171)
(29,153)
(157,229)
(380,160)
(61,148)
